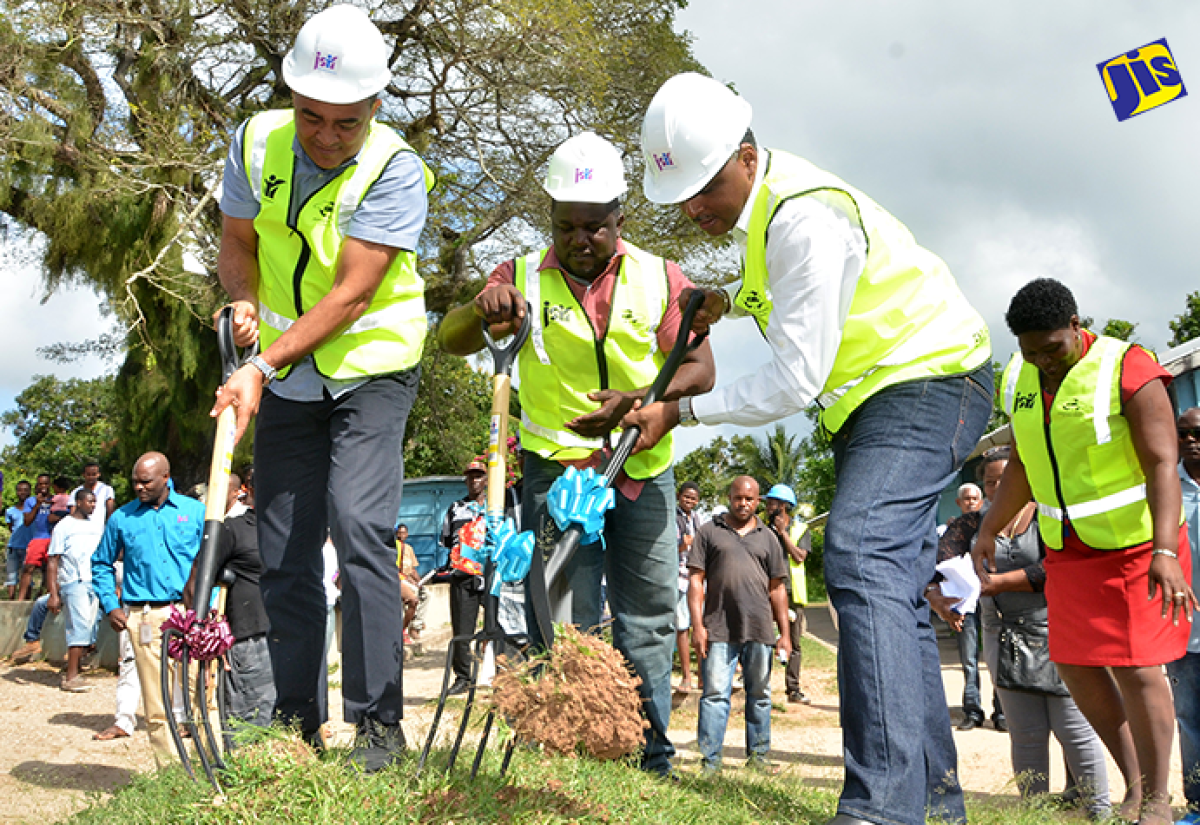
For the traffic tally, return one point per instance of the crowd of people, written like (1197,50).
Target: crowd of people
(323,208)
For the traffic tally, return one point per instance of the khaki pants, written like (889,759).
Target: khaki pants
(148,658)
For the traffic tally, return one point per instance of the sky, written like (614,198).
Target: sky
(984,127)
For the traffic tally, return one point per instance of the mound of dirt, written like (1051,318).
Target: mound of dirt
(581,699)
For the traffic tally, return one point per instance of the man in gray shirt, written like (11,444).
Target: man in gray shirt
(741,563)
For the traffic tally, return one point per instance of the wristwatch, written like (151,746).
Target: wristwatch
(262,366)
(686,417)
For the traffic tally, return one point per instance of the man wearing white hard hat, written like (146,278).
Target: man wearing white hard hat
(604,315)
(874,329)
(323,209)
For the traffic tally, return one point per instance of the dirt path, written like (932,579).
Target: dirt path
(49,763)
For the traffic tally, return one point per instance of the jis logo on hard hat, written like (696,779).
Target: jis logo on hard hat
(583,174)
(663,161)
(325,62)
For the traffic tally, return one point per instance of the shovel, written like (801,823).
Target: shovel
(503,358)
(214,518)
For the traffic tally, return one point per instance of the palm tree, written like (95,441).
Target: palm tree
(777,459)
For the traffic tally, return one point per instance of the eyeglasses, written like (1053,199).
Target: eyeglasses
(1184,432)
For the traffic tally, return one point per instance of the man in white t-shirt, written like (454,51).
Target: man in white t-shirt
(69,575)
(106,500)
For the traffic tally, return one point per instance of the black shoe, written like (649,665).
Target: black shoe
(970,722)
(999,722)
(797,697)
(377,746)
(460,685)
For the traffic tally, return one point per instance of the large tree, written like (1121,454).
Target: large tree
(57,426)
(115,116)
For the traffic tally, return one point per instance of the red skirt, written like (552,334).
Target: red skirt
(1099,615)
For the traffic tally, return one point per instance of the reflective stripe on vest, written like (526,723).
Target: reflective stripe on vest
(563,363)
(1081,464)
(908,319)
(298,256)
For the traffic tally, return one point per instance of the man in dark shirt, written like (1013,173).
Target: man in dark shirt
(742,563)
(250,690)
(462,524)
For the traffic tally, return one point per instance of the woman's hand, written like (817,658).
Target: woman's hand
(1177,597)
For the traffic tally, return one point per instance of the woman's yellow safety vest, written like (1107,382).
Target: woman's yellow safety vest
(565,360)
(908,319)
(799,580)
(1081,464)
(298,261)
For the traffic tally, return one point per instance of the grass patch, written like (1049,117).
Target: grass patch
(278,782)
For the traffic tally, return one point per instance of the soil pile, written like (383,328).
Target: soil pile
(581,699)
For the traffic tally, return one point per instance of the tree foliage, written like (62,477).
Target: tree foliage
(1186,326)
(448,424)
(115,116)
(713,468)
(59,425)
(776,459)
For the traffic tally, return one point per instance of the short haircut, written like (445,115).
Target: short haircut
(24,481)
(62,483)
(749,138)
(248,476)
(1043,305)
(963,489)
(689,485)
(401,524)
(40,476)
(91,462)
(82,493)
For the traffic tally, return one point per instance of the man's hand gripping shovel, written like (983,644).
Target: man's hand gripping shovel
(577,500)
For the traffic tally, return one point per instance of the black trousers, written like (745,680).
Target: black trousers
(335,464)
(466,597)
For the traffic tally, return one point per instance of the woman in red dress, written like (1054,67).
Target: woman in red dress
(1096,448)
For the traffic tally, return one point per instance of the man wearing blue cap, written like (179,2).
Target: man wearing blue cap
(797,544)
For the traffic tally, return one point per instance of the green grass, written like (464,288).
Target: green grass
(272,786)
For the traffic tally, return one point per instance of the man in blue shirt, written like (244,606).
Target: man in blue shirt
(1185,673)
(18,539)
(160,535)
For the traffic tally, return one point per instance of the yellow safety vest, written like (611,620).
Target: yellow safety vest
(1082,465)
(798,578)
(298,263)
(908,319)
(564,360)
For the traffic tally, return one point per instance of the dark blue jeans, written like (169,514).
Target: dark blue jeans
(641,562)
(968,654)
(336,465)
(894,457)
(1185,685)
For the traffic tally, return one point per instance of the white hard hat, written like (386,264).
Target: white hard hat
(339,57)
(585,169)
(691,129)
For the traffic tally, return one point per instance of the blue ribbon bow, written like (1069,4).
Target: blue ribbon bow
(581,498)
(511,552)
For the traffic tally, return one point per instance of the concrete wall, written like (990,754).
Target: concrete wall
(14,616)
